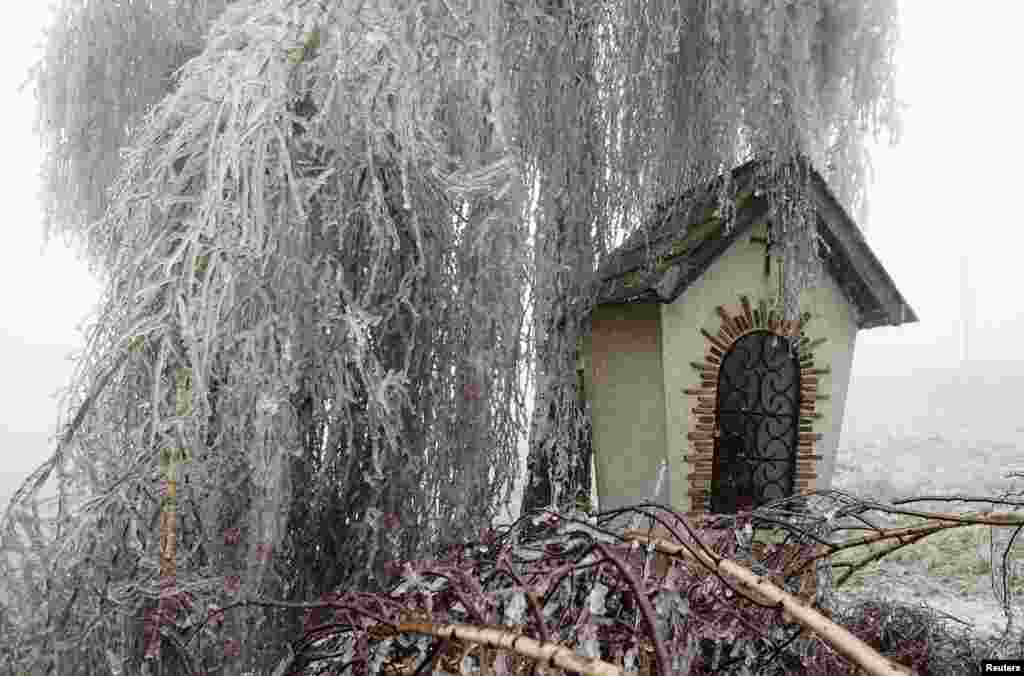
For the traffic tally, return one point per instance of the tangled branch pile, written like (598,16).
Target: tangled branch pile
(582,596)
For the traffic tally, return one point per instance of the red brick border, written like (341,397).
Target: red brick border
(703,416)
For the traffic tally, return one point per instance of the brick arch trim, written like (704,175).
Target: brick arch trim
(701,438)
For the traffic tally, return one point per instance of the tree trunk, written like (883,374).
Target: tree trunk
(558,465)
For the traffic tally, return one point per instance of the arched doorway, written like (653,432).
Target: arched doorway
(756,423)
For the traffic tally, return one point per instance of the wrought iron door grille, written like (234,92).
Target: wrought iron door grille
(756,423)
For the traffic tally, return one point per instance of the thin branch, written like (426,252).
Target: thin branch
(959,498)
(646,609)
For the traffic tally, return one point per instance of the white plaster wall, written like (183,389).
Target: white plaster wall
(740,270)
(831,316)
(623,373)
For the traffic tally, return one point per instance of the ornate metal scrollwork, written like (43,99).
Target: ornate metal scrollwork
(757,422)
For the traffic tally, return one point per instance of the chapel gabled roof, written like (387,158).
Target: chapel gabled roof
(663,257)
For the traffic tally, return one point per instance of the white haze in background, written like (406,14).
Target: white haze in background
(44,296)
(949,188)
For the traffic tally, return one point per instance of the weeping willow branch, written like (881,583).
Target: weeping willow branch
(32,484)
(346,222)
(282,225)
(95,91)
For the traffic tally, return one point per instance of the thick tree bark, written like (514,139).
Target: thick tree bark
(558,465)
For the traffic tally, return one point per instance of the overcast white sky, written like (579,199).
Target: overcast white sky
(950,187)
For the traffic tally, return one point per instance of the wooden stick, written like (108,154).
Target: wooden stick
(549,653)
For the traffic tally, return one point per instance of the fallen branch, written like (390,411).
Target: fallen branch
(968,518)
(762,591)
(909,535)
(961,498)
(549,653)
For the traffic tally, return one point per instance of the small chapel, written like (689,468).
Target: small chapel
(689,361)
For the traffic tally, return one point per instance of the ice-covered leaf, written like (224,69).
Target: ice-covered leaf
(267,405)
(669,602)
(631,660)
(380,653)
(470,664)
(515,609)
(115,663)
(587,641)
(596,601)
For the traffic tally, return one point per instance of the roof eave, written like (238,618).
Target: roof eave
(878,301)
(889,307)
